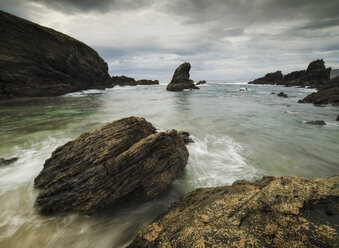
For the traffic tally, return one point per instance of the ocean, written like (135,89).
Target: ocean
(237,135)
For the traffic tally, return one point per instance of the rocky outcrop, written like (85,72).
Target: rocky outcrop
(123,81)
(272,212)
(5,162)
(282,94)
(201,82)
(269,78)
(326,94)
(124,159)
(147,82)
(181,79)
(39,61)
(315,75)
(317,122)
(128,81)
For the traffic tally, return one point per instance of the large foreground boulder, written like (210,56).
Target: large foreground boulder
(272,212)
(181,79)
(39,61)
(124,159)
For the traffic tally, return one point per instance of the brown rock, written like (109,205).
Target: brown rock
(147,82)
(282,94)
(180,80)
(317,122)
(123,81)
(272,212)
(39,61)
(186,137)
(124,159)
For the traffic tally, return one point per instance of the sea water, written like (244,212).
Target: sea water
(237,135)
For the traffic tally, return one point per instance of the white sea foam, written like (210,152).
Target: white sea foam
(216,161)
(84,93)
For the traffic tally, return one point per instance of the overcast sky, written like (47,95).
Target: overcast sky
(226,39)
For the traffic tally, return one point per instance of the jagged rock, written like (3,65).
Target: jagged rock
(5,162)
(147,82)
(201,82)
(181,79)
(186,137)
(123,81)
(317,74)
(39,61)
(124,159)
(273,212)
(282,94)
(269,78)
(328,93)
(317,122)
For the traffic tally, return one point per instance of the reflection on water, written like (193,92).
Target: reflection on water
(237,134)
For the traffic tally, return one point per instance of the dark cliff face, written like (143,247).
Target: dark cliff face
(38,61)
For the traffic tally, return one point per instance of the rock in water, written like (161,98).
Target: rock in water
(272,212)
(39,61)
(4,162)
(123,159)
(147,82)
(123,81)
(282,94)
(317,122)
(186,137)
(181,79)
(201,82)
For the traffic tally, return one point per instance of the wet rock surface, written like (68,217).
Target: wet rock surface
(124,159)
(201,82)
(181,79)
(272,212)
(39,61)
(186,137)
(317,122)
(9,161)
(282,94)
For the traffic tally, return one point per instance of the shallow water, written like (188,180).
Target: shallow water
(237,134)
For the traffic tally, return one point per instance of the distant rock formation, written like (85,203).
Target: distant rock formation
(269,78)
(39,61)
(317,122)
(282,94)
(315,75)
(147,82)
(124,159)
(181,79)
(201,82)
(273,212)
(128,81)
(326,94)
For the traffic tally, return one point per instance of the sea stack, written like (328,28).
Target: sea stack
(181,79)
(39,61)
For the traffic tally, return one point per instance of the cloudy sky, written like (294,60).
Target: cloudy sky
(225,39)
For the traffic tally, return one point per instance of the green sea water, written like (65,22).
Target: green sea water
(237,134)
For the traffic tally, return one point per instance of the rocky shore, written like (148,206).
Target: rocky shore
(272,212)
(128,81)
(39,61)
(124,159)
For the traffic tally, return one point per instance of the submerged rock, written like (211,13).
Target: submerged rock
(317,122)
(269,78)
(282,94)
(201,82)
(39,61)
(124,159)
(273,212)
(181,79)
(5,162)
